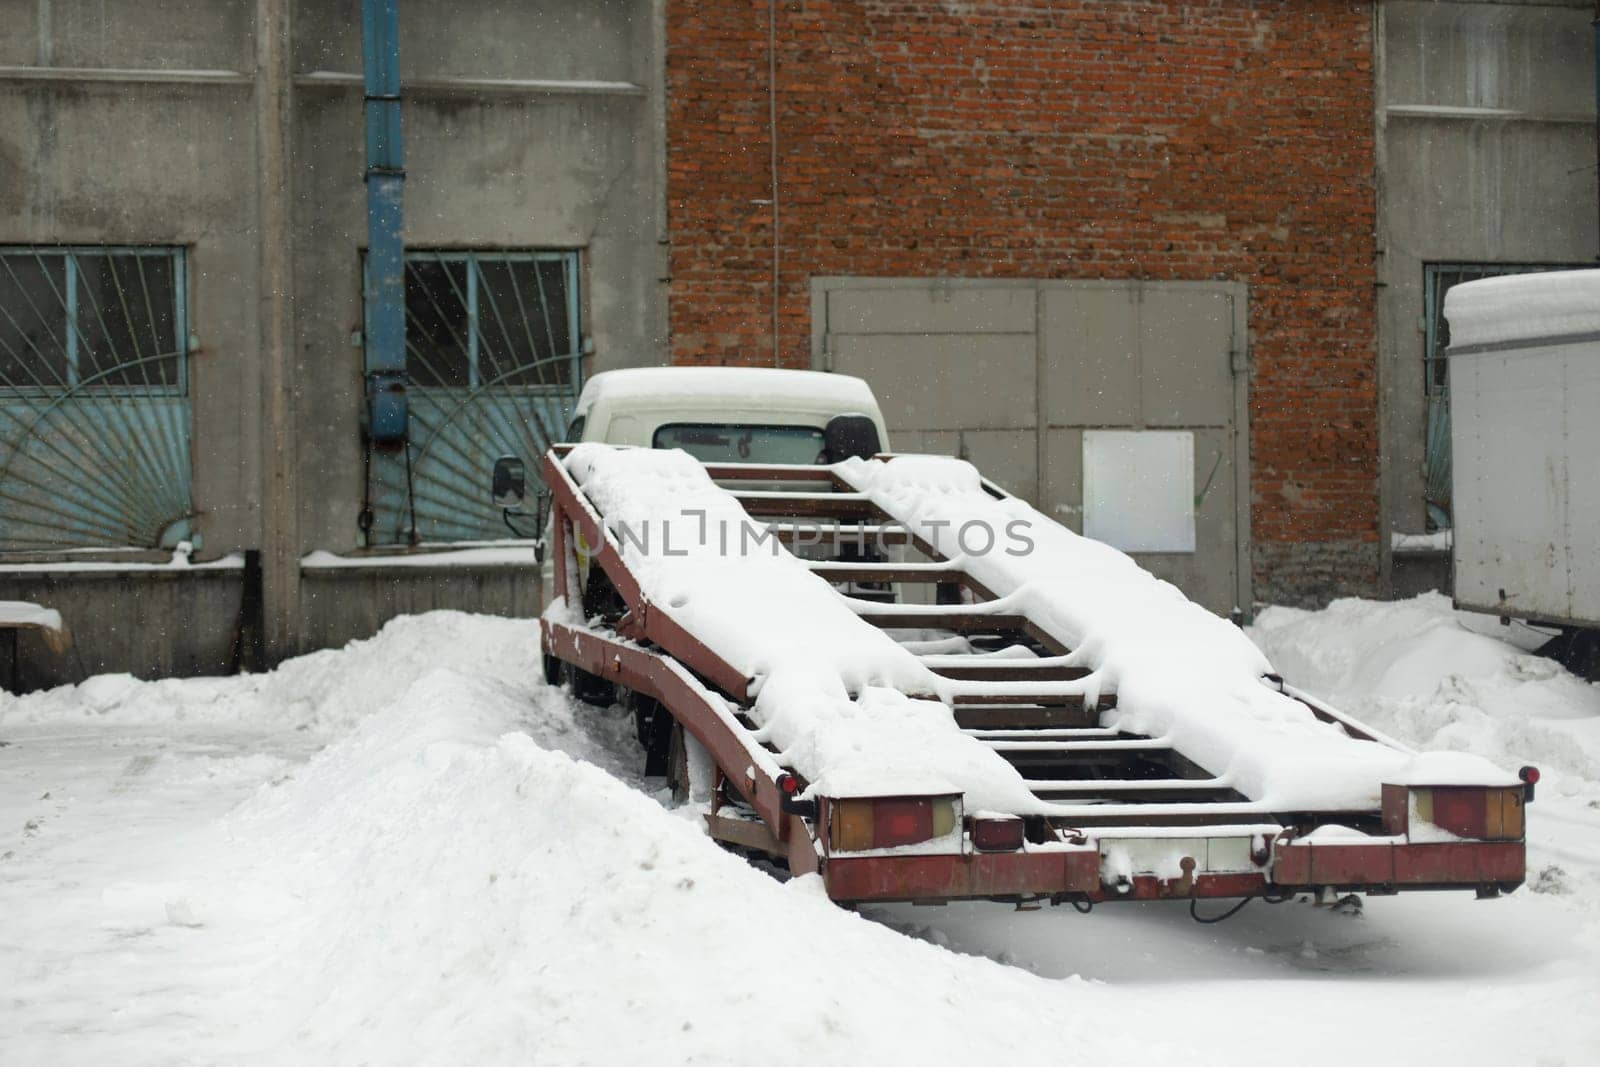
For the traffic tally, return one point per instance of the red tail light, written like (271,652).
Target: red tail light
(1529,775)
(857,824)
(901,822)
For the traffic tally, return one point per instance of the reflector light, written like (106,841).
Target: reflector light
(1530,775)
(997,835)
(788,784)
(861,824)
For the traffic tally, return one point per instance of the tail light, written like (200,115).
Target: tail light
(1472,812)
(861,824)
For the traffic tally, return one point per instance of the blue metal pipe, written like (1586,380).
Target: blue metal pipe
(386,416)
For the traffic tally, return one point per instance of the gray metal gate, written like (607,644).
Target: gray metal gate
(1028,379)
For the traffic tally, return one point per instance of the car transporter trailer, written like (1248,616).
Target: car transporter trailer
(1113,813)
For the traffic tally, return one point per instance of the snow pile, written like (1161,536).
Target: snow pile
(1524,307)
(1434,676)
(1178,671)
(828,687)
(323,693)
(468,874)
(438,887)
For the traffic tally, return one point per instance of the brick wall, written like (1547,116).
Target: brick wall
(1057,139)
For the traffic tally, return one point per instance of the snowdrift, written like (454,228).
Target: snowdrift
(445,889)
(1442,679)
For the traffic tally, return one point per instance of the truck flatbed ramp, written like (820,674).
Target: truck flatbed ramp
(1019,714)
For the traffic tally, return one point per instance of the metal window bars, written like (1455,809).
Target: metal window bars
(94,409)
(493,351)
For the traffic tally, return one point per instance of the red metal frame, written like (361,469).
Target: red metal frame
(649,652)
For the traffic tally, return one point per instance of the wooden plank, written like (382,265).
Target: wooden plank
(746,833)
(808,505)
(921,573)
(1043,697)
(962,622)
(1009,671)
(1133,792)
(979,717)
(819,534)
(774,472)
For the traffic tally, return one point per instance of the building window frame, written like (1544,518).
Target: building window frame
(71,300)
(484,317)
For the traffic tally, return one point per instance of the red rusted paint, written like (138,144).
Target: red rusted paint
(1465,863)
(657,624)
(1396,810)
(956,877)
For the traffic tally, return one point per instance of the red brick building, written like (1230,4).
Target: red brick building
(1222,142)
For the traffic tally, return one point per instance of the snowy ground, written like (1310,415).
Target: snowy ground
(411,851)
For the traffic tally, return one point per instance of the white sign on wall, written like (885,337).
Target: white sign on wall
(1138,489)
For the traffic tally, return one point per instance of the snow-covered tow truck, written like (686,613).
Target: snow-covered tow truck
(884,669)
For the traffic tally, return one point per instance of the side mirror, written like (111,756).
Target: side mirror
(510,484)
(850,435)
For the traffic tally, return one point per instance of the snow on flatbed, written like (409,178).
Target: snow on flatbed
(1179,672)
(411,850)
(764,612)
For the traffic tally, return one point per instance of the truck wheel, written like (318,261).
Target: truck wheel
(678,765)
(655,728)
(589,688)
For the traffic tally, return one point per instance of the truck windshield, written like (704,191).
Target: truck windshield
(731,443)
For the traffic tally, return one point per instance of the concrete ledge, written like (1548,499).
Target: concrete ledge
(342,604)
(153,622)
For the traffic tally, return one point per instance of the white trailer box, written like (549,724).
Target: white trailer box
(1524,361)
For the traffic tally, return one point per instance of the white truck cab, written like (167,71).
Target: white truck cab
(724,414)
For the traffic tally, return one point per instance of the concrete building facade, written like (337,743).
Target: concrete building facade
(1191,249)
(227,136)
(1486,164)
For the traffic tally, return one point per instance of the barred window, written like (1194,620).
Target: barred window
(491,319)
(75,319)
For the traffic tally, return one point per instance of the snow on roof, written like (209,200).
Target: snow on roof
(841,392)
(1523,307)
(1179,672)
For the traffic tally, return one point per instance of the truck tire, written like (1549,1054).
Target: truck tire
(589,688)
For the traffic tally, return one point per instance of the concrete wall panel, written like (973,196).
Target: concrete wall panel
(985,380)
(148,624)
(1184,338)
(1090,348)
(1487,125)
(931,309)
